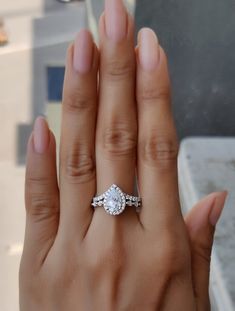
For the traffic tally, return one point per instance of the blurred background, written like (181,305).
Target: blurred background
(199,39)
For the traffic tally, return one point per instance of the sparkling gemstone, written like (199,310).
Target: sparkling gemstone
(114,201)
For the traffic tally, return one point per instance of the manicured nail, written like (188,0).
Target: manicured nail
(217,208)
(83,52)
(115,20)
(149,51)
(41,135)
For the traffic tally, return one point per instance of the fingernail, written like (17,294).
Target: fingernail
(149,51)
(83,52)
(41,135)
(217,208)
(115,20)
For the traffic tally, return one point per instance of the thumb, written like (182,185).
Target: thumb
(201,222)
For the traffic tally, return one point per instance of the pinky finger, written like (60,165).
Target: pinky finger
(41,194)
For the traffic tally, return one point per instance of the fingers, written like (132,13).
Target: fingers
(41,193)
(201,222)
(116,127)
(157,141)
(77,162)
(77,150)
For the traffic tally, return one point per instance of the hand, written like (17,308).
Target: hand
(78,258)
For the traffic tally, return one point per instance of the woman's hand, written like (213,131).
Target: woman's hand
(78,258)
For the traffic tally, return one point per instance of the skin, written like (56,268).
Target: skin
(78,258)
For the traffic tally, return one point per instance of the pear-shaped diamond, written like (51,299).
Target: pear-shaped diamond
(114,202)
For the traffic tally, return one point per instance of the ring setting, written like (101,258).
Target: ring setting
(114,201)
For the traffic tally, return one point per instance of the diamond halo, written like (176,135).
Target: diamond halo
(114,201)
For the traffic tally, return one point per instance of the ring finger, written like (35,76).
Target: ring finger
(116,127)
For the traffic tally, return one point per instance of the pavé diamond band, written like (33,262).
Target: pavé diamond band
(114,201)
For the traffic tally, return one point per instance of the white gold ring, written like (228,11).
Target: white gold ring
(114,201)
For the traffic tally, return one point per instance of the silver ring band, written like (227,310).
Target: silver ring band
(114,201)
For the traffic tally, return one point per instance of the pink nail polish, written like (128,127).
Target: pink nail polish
(115,20)
(217,208)
(41,135)
(83,52)
(149,52)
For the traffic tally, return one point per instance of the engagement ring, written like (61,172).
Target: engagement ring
(114,201)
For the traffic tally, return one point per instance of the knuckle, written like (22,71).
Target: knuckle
(159,151)
(202,251)
(80,166)
(120,140)
(119,69)
(76,101)
(42,206)
(38,184)
(41,200)
(151,94)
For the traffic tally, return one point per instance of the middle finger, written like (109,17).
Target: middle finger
(116,127)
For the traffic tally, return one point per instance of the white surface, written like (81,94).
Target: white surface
(207,165)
